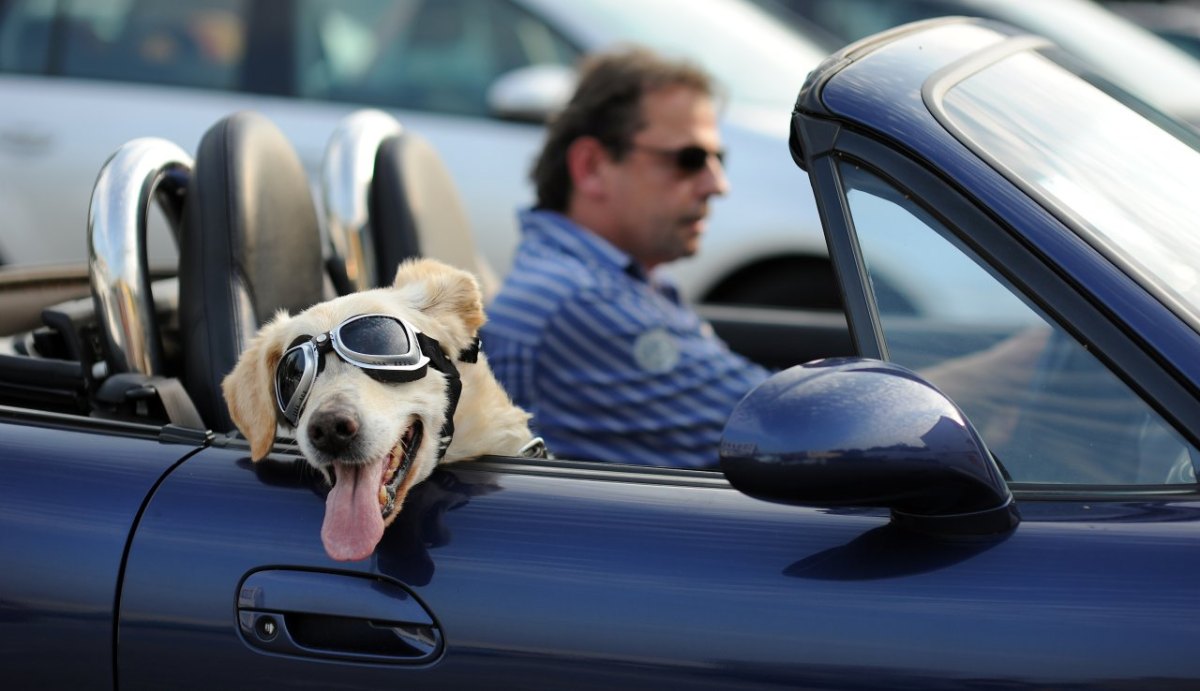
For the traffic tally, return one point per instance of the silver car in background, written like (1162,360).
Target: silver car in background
(474,77)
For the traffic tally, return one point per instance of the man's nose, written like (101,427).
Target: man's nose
(712,180)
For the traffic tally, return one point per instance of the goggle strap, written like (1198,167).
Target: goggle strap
(437,357)
(471,352)
(453,391)
(438,360)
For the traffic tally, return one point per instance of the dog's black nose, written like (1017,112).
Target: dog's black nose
(333,432)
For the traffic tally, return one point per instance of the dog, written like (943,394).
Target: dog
(374,439)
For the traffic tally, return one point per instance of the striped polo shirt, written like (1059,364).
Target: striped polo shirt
(609,362)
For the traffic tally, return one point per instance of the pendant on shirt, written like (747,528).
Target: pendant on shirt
(656,351)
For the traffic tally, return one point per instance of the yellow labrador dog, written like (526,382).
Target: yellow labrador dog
(379,386)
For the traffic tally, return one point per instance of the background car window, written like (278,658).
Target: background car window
(1048,409)
(853,19)
(435,55)
(748,51)
(25,27)
(199,43)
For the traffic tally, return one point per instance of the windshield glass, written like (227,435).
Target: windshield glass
(755,57)
(1144,65)
(1131,184)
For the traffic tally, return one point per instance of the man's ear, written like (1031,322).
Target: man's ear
(249,390)
(442,291)
(586,158)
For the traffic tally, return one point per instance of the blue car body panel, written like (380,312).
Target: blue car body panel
(69,502)
(151,564)
(573,576)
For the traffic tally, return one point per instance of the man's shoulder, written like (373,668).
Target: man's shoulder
(553,273)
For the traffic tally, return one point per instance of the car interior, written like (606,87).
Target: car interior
(120,340)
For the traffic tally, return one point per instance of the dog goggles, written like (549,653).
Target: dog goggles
(384,347)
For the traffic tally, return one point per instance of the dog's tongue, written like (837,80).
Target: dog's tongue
(353,523)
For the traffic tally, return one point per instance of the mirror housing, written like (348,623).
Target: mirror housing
(531,94)
(866,433)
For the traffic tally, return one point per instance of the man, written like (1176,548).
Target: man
(585,333)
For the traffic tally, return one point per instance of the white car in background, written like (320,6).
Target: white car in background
(474,77)
(1147,66)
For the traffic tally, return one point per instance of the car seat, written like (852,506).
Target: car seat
(249,245)
(387,197)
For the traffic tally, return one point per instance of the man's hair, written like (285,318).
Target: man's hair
(607,105)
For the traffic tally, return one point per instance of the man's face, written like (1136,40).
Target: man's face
(660,207)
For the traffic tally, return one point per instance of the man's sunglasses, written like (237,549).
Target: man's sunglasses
(689,159)
(386,348)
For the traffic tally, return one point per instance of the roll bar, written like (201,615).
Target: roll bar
(140,170)
(346,173)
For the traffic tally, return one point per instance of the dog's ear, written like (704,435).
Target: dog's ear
(446,292)
(249,388)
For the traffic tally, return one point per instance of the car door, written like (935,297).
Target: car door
(72,492)
(564,574)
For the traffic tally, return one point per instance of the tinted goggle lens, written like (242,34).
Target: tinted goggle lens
(288,374)
(375,336)
(293,376)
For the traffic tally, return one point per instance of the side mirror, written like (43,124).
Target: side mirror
(861,432)
(531,94)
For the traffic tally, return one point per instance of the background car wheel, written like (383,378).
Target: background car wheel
(788,282)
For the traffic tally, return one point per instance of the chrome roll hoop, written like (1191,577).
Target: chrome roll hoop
(347,169)
(140,170)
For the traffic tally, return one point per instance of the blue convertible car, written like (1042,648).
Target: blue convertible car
(997,490)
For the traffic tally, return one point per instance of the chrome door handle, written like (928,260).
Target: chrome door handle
(336,616)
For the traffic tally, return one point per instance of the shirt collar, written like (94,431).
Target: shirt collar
(554,228)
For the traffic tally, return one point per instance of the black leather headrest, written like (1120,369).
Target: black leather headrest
(415,208)
(393,225)
(250,245)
